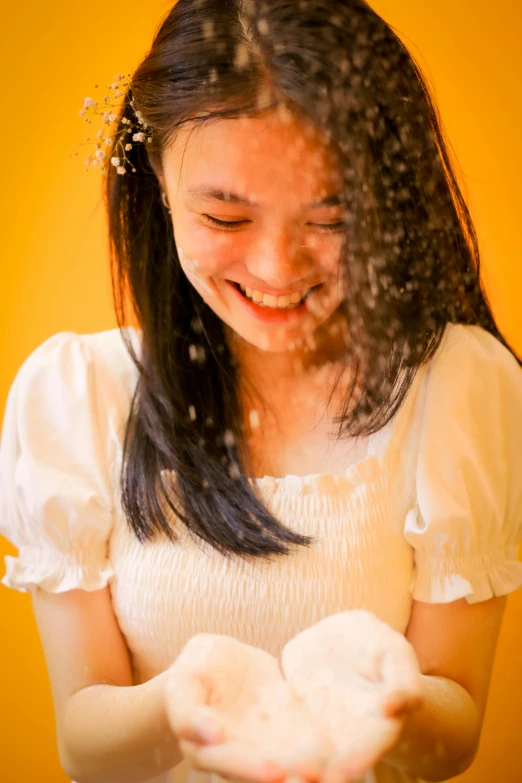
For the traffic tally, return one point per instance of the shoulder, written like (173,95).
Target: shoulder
(467,347)
(73,359)
(61,429)
(71,379)
(475,380)
(465,522)
(109,355)
(473,370)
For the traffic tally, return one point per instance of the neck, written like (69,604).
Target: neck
(300,366)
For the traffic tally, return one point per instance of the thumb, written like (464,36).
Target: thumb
(402,679)
(396,703)
(188,713)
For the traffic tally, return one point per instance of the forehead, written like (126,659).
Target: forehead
(255,156)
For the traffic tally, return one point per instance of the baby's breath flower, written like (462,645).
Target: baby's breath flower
(117,141)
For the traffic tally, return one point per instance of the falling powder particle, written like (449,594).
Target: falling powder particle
(242,57)
(197,353)
(229,438)
(192,413)
(208,28)
(234,471)
(254,419)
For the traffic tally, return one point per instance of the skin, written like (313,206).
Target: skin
(108,728)
(281,163)
(333,707)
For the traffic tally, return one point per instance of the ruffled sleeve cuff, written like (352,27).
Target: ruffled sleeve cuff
(475,577)
(55,572)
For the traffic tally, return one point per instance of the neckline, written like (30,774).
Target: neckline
(363,471)
(381,446)
(311,476)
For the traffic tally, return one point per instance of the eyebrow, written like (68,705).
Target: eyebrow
(208,193)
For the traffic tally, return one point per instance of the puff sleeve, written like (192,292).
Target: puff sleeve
(466,523)
(56,498)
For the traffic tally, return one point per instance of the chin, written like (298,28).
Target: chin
(271,343)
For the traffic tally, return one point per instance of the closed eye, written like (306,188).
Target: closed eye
(231,225)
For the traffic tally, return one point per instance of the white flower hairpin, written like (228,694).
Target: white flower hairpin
(118,144)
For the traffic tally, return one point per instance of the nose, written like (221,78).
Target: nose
(281,261)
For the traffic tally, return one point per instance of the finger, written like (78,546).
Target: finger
(205,725)
(307,773)
(232,759)
(344,769)
(361,750)
(402,681)
(397,703)
(340,772)
(189,715)
(400,671)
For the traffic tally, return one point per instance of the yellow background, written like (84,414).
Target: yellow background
(54,275)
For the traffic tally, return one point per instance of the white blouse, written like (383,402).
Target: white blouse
(431,510)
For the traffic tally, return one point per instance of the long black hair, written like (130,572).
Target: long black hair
(410,263)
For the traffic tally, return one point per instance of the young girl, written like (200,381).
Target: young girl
(268,530)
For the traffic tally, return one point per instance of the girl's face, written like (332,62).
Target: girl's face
(256,204)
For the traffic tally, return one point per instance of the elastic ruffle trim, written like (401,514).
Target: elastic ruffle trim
(366,470)
(54,575)
(473,577)
(361,472)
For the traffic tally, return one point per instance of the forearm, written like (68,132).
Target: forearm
(440,739)
(117,734)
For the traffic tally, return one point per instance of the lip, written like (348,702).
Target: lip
(270,292)
(269,314)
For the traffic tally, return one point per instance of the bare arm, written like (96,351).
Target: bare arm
(455,645)
(118,734)
(108,730)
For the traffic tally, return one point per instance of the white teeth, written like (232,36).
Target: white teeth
(267,300)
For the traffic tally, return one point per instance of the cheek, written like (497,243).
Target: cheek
(205,253)
(327,251)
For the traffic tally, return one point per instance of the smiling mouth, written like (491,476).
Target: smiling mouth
(305,297)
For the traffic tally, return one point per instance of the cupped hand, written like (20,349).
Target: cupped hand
(360,678)
(234,713)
